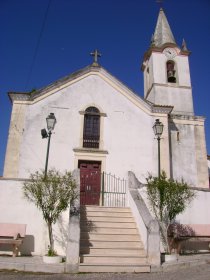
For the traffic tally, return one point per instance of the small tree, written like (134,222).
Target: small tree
(167,198)
(52,195)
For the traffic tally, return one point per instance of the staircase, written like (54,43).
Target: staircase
(110,241)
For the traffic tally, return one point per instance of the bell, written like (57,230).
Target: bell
(171,77)
(170,73)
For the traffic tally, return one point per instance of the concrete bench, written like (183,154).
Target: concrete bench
(181,234)
(12,234)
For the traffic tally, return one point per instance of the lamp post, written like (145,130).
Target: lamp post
(158,130)
(51,121)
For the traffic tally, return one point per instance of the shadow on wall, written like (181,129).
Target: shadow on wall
(173,128)
(185,239)
(26,248)
(178,230)
(61,233)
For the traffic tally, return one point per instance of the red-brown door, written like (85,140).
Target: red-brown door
(90,181)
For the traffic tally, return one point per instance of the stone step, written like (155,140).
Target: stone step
(111,259)
(110,241)
(100,267)
(110,237)
(104,209)
(106,219)
(96,224)
(107,214)
(111,244)
(109,230)
(93,251)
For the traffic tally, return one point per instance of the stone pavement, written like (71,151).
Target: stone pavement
(34,264)
(194,267)
(201,272)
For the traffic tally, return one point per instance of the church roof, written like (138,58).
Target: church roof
(163,33)
(94,69)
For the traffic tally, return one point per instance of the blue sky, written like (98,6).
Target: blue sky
(120,29)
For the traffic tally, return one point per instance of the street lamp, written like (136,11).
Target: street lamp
(51,121)
(158,130)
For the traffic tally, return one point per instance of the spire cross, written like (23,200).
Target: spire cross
(95,55)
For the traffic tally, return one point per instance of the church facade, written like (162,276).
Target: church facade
(100,120)
(102,126)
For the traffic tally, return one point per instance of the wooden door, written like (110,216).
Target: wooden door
(90,182)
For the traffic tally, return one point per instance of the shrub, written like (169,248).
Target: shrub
(52,195)
(167,198)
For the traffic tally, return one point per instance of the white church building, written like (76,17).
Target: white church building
(104,130)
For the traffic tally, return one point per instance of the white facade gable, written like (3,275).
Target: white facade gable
(126,136)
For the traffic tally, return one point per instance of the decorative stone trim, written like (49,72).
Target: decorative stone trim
(175,85)
(186,117)
(199,189)
(14,179)
(162,109)
(100,114)
(89,150)
(19,96)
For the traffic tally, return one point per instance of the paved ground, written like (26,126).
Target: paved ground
(201,272)
(189,267)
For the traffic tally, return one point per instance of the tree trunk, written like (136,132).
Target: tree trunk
(164,235)
(49,224)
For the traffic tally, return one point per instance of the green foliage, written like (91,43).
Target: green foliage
(52,195)
(167,198)
(32,91)
(51,252)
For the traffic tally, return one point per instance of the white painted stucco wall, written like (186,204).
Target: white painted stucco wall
(188,150)
(183,161)
(159,61)
(15,209)
(18,210)
(127,137)
(159,91)
(198,211)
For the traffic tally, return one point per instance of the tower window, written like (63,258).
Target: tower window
(171,72)
(91,131)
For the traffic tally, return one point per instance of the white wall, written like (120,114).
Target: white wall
(199,210)
(177,94)
(182,66)
(179,98)
(15,209)
(128,135)
(183,161)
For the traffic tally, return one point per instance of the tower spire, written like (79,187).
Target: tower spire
(163,33)
(184,46)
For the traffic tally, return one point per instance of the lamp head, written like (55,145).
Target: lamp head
(51,121)
(158,128)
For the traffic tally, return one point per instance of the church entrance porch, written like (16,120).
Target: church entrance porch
(90,182)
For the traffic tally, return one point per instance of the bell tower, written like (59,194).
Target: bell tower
(166,70)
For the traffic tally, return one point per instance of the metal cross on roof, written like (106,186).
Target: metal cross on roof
(95,55)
